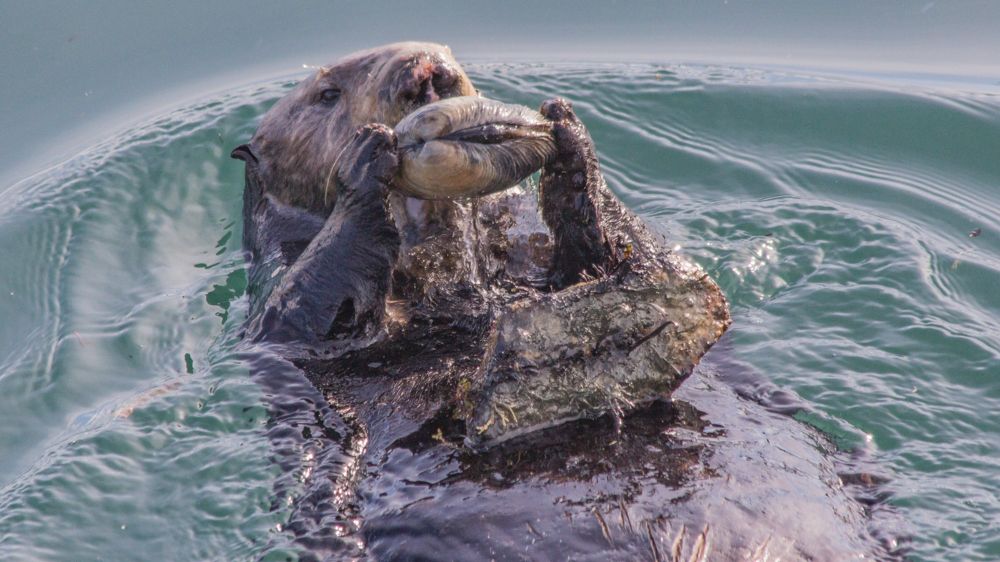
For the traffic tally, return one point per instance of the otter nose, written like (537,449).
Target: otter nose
(429,81)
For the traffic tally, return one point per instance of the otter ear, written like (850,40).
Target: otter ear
(245,153)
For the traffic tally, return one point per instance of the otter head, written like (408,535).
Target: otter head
(297,144)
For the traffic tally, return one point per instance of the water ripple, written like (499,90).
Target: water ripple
(836,214)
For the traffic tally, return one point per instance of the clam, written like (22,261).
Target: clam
(469,147)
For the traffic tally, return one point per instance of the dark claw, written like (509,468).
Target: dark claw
(376,135)
(558,109)
(371,155)
(372,142)
(573,145)
(571,191)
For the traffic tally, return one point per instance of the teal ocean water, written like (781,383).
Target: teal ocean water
(850,220)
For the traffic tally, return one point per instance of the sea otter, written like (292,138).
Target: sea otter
(437,330)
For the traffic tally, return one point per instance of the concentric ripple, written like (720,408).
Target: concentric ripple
(130,426)
(851,224)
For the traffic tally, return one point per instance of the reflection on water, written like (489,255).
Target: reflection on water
(835,215)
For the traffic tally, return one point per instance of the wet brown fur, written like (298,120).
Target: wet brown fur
(300,138)
(450,281)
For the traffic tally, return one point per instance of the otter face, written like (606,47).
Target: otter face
(468,147)
(300,138)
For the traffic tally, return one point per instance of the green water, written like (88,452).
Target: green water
(835,213)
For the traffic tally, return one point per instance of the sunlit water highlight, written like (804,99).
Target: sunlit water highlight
(838,217)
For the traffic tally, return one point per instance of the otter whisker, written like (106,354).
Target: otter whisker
(330,175)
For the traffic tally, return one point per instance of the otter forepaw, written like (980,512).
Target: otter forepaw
(558,109)
(570,191)
(370,160)
(573,145)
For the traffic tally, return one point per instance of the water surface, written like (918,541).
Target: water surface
(850,221)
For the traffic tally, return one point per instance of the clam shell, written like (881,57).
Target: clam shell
(469,147)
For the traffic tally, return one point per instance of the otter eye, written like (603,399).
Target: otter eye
(329,95)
